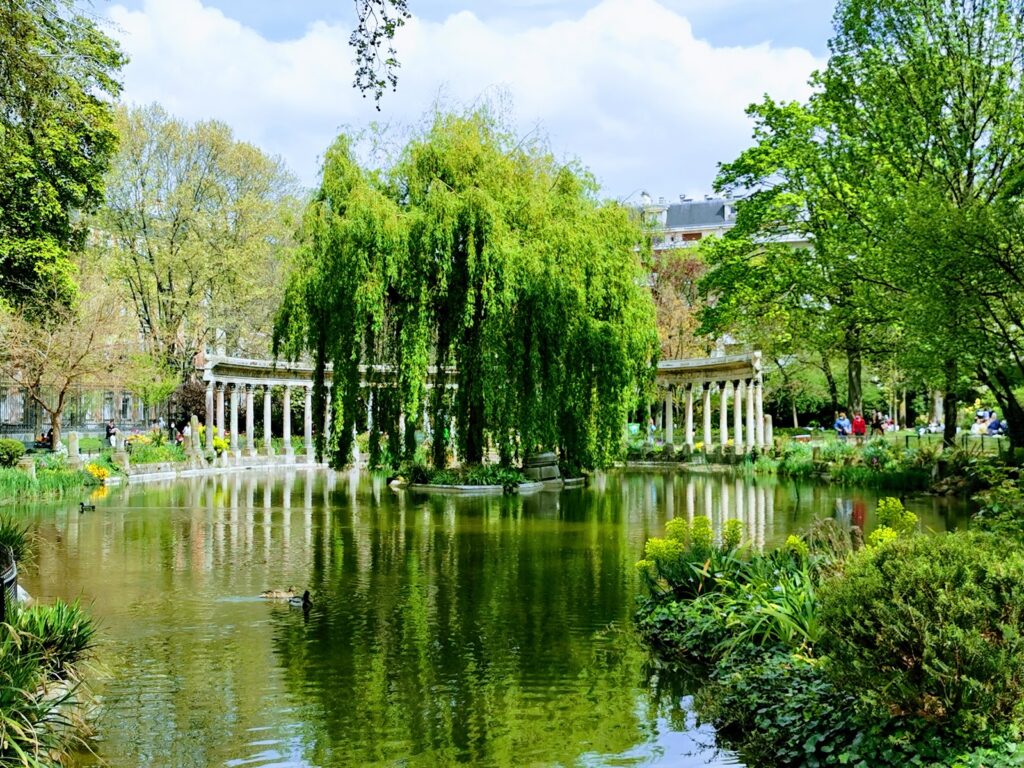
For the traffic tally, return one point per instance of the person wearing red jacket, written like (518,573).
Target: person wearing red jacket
(859,428)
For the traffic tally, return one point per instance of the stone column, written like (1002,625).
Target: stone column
(737,417)
(759,412)
(309,424)
(221,424)
(769,432)
(723,412)
(289,451)
(669,417)
(209,417)
(235,452)
(706,403)
(268,450)
(689,416)
(751,440)
(250,420)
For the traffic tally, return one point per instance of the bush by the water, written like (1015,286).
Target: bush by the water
(932,626)
(907,652)
(11,452)
(40,647)
(17,536)
(473,474)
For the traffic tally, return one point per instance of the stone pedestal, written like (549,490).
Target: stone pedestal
(27,465)
(541,467)
(120,457)
(74,456)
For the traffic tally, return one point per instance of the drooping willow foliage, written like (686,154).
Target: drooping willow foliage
(478,264)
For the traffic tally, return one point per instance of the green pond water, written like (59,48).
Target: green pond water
(445,631)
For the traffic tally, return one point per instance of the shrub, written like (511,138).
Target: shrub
(879,454)
(98,471)
(892,514)
(10,452)
(17,537)
(930,625)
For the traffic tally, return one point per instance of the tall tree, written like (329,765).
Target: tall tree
(476,252)
(931,91)
(57,81)
(197,226)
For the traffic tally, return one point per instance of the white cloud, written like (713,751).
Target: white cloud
(626,87)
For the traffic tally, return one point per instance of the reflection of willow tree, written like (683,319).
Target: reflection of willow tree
(470,638)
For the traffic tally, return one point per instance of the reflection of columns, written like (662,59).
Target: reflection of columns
(706,404)
(723,412)
(691,493)
(234,421)
(267,448)
(737,417)
(689,416)
(707,511)
(250,420)
(738,488)
(669,417)
(289,451)
(309,424)
(221,426)
(209,417)
(724,506)
(751,440)
(759,412)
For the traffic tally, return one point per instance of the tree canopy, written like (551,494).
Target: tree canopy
(481,254)
(57,81)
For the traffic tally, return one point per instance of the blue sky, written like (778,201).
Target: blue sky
(646,93)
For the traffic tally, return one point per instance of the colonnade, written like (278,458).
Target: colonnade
(751,427)
(243,443)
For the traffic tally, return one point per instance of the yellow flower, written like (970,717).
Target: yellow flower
(97,471)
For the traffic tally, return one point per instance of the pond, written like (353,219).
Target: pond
(444,631)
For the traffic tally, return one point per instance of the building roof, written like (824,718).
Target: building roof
(698,214)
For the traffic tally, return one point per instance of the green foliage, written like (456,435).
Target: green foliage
(152,453)
(930,626)
(40,644)
(797,547)
(892,514)
(56,139)
(487,474)
(16,536)
(152,380)
(16,484)
(10,452)
(1002,510)
(881,536)
(476,251)
(879,454)
(732,534)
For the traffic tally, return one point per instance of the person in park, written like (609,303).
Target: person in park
(859,428)
(877,425)
(111,432)
(842,426)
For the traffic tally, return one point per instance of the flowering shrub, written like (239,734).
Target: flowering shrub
(99,472)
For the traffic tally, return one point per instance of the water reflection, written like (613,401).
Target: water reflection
(479,631)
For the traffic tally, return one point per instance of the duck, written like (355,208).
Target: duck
(304,602)
(83,507)
(278,594)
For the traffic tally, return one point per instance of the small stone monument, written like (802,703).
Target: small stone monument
(195,449)
(28,465)
(74,457)
(120,457)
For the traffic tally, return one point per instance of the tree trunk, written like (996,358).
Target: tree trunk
(55,426)
(950,403)
(833,391)
(1002,388)
(796,421)
(854,391)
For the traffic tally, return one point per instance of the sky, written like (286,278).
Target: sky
(648,94)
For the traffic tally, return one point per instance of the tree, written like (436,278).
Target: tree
(478,253)
(377,23)
(798,182)
(50,348)
(196,226)
(931,92)
(57,81)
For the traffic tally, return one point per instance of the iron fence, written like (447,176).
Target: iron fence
(86,410)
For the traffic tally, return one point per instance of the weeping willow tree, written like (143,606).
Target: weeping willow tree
(479,265)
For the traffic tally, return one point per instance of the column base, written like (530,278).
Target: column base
(267,450)
(289,457)
(251,453)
